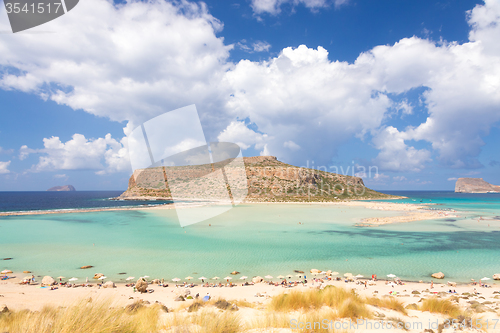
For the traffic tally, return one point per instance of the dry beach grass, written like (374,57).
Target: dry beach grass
(110,312)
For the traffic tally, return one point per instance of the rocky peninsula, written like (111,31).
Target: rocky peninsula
(268,180)
(475,185)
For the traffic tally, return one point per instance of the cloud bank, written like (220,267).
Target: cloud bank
(133,61)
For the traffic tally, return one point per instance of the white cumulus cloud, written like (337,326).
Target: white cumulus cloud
(128,62)
(261,46)
(237,132)
(274,6)
(303,97)
(395,155)
(4,167)
(291,145)
(102,154)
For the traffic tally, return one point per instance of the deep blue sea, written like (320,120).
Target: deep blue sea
(32,201)
(255,239)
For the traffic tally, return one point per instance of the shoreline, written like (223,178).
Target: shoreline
(412,211)
(76,210)
(16,277)
(190,203)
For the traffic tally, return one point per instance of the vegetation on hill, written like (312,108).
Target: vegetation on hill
(267,179)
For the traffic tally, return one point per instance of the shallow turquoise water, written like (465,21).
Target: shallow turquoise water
(255,239)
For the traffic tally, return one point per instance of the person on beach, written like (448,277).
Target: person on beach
(432,284)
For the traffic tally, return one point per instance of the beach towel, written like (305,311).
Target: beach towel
(206,298)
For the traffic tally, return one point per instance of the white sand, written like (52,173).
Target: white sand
(32,297)
(409,212)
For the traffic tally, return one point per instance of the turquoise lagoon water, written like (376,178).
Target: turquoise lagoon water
(257,239)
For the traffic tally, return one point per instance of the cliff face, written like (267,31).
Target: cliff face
(65,188)
(267,179)
(475,185)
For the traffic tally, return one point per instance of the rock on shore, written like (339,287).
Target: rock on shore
(48,281)
(257,279)
(141,285)
(109,284)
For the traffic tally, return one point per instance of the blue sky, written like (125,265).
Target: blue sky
(409,87)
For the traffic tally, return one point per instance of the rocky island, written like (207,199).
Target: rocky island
(475,185)
(64,188)
(268,179)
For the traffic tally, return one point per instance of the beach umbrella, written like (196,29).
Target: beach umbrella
(6,271)
(202,278)
(61,277)
(215,278)
(130,278)
(289,276)
(347,274)
(335,273)
(391,276)
(298,275)
(73,279)
(189,278)
(145,276)
(176,279)
(228,278)
(359,276)
(280,277)
(102,278)
(268,277)
(485,278)
(243,277)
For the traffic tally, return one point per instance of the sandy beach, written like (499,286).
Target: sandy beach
(409,212)
(480,302)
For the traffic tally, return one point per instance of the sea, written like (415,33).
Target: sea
(253,239)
